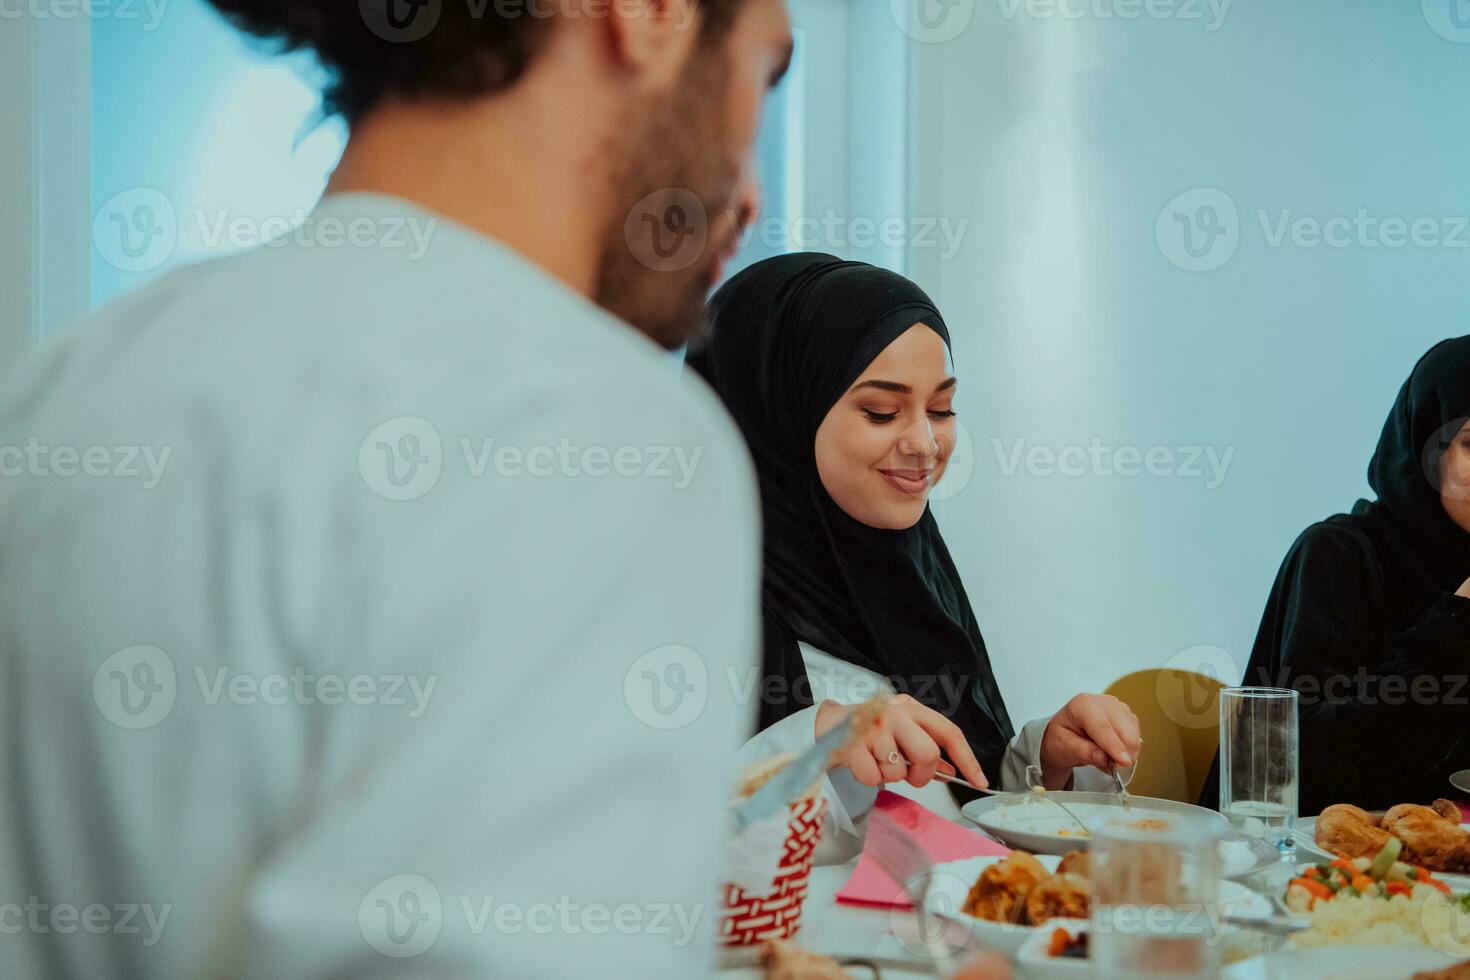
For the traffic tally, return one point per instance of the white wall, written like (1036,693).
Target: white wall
(17,180)
(44,219)
(1062,140)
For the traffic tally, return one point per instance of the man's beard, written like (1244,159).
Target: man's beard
(674,187)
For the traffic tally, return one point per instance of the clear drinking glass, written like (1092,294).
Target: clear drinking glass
(1259,762)
(1156,898)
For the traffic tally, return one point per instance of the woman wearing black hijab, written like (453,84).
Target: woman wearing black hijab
(838,376)
(1369,619)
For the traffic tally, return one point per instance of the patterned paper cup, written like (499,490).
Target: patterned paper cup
(751,919)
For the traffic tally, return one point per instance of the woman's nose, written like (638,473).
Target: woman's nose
(918,440)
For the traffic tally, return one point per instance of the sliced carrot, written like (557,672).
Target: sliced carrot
(1314,888)
(1361,883)
(1399,888)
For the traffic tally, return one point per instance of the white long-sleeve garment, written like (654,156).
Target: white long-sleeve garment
(849,803)
(364,613)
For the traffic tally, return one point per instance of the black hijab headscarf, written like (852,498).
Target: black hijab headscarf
(1408,525)
(788,337)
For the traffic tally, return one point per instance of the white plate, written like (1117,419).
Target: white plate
(1030,823)
(1308,852)
(950,885)
(1341,963)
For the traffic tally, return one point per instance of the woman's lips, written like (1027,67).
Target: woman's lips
(909,481)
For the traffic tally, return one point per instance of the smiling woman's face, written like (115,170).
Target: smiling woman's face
(1454,478)
(886,442)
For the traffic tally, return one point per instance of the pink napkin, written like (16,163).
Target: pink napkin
(941,838)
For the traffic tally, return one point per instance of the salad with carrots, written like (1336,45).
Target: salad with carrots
(1383,876)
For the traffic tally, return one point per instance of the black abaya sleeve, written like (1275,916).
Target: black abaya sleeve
(1383,713)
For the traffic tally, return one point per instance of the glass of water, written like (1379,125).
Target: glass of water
(1259,762)
(1155,907)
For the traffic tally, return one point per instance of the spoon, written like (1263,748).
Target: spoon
(1461,780)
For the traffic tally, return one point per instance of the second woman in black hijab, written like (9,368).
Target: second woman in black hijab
(1369,619)
(838,376)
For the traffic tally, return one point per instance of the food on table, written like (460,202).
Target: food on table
(1460,971)
(1076,863)
(1375,901)
(1149,824)
(788,961)
(1349,831)
(1068,946)
(999,895)
(1431,836)
(1062,896)
(1020,891)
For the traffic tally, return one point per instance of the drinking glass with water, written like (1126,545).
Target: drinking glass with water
(1259,762)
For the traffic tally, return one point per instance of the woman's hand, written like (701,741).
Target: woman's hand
(1090,730)
(1465,589)
(906,731)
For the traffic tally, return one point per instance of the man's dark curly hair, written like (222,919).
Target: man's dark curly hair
(374,50)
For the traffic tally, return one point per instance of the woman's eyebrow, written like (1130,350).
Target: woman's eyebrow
(902,389)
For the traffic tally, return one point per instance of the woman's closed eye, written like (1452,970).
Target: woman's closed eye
(882,418)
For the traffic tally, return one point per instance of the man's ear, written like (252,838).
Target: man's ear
(652,39)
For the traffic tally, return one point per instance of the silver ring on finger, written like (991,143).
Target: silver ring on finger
(897,760)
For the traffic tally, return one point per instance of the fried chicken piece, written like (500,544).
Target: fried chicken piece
(788,961)
(1076,862)
(999,895)
(1350,832)
(1062,896)
(1449,810)
(1460,971)
(1430,839)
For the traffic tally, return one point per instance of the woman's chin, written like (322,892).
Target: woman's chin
(896,515)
